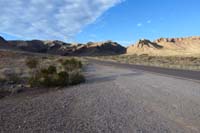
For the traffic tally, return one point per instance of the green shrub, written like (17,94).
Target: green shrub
(50,77)
(76,78)
(44,77)
(34,82)
(49,81)
(51,70)
(71,64)
(63,78)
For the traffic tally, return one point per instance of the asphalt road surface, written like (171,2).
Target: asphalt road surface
(195,75)
(115,99)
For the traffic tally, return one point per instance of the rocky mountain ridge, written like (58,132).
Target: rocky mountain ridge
(62,48)
(161,47)
(3,42)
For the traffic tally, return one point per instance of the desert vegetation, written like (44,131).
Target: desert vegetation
(187,63)
(66,72)
(20,72)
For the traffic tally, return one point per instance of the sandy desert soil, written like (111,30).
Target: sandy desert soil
(114,100)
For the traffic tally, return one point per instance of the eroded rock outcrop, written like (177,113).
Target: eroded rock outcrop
(143,45)
(174,40)
(187,46)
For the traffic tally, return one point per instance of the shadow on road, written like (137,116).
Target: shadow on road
(96,79)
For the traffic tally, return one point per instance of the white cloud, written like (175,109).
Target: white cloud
(139,24)
(50,19)
(149,21)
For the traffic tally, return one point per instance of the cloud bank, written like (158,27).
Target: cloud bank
(50,19)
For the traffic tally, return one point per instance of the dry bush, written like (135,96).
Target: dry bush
(76,78)
(71,64)
(51,77)
(32,63)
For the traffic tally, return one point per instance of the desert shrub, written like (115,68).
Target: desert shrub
(48,81)
(34,81)
(2,81)
(193,58)
(143,55)
(63,78)
(150,57)
(68,74)
(14,78)
(134,55)
(76,78)
(10,76)
(44,77)
(49,78)
(51,70)
(32,63)
(71,64)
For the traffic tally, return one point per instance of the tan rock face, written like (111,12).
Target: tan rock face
(188,46)
(174,40)
(143,45)
(147,44)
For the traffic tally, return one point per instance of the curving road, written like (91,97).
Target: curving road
(178,73)
(114,100)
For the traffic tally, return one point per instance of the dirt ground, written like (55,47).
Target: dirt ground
(113,100)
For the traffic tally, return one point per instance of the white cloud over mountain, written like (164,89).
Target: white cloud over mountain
(50,19)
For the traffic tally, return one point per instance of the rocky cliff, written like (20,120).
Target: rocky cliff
(167,46)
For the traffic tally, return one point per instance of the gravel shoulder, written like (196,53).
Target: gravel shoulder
(113,100)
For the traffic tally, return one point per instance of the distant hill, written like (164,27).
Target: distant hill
(189,46)
(3,42)
(62,48)
(100,48)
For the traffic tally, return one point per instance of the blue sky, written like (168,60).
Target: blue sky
(124,21)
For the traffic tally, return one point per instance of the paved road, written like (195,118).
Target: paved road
(195,75)
(114,100)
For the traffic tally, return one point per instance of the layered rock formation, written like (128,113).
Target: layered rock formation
(143,46)
(167,47)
